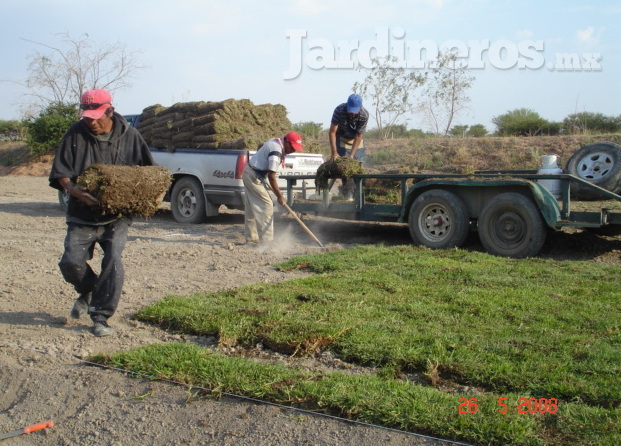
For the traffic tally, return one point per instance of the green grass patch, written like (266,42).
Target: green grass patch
(515,329)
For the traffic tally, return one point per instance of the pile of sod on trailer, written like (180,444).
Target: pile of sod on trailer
(341,168)
(231,124)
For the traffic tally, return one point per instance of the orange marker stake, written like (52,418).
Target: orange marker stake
(28,429)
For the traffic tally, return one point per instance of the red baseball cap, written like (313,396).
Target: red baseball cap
(94,103)
(296,140)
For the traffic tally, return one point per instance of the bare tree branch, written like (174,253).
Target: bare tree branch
(390,89)
(446,94)
(60,74)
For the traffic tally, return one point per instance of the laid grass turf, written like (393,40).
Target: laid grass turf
(515,329)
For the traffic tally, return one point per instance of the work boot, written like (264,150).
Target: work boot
(101,328)
(80,307)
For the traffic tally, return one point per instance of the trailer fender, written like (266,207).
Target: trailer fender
(545,201)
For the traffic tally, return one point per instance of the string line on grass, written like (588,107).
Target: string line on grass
(233,395)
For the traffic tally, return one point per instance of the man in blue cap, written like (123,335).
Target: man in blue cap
(349,122)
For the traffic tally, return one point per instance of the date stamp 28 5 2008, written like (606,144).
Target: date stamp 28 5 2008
(524,405)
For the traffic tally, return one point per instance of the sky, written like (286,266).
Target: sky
(307,54)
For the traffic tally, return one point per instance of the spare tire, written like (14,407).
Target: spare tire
(599,164)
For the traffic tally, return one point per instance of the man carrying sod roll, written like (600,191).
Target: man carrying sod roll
(102,136)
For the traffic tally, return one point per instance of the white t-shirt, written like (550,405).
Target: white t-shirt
(269,157)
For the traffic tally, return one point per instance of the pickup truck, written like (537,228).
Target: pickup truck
(204,180)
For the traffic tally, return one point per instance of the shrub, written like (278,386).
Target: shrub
(308,129)
(12,130)
(395,131)
(523,122)
(588,122)
(47,130)
(477,130)
(458,131)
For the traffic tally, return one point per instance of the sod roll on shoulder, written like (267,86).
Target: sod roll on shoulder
(126,190)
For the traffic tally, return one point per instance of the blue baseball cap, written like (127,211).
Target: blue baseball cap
(354,103)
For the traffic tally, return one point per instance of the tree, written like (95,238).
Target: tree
(459,131)
(477,131)
(60,74)
(46,131)
(523,122)
(446,92)
(390,89)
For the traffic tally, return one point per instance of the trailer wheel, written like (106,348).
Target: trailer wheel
(439,219)
(598,163)
(187,201)
(510,225)
(63,199)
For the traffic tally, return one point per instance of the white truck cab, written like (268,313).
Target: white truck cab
(204,180)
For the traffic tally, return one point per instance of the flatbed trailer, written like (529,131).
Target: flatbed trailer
(511,210)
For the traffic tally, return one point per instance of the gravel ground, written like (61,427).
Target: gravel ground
(43,376)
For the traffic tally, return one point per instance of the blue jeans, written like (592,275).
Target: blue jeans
(343,150)
(107,286)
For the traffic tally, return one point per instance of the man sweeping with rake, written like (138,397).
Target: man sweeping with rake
(261,169)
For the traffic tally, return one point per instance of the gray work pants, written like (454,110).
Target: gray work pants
(107,286)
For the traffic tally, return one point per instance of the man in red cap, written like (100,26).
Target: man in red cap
(263,166)
(102,136)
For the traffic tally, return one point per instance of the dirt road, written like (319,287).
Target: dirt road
(42,377)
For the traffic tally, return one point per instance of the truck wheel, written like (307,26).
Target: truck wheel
(63,199)
(598,163)
(187,201)
(510,225)
(439,219)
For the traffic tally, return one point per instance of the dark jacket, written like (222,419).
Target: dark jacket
(80,148)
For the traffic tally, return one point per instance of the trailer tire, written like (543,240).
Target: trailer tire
(187,201)
(599,164)
(510,225)
(439,219)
